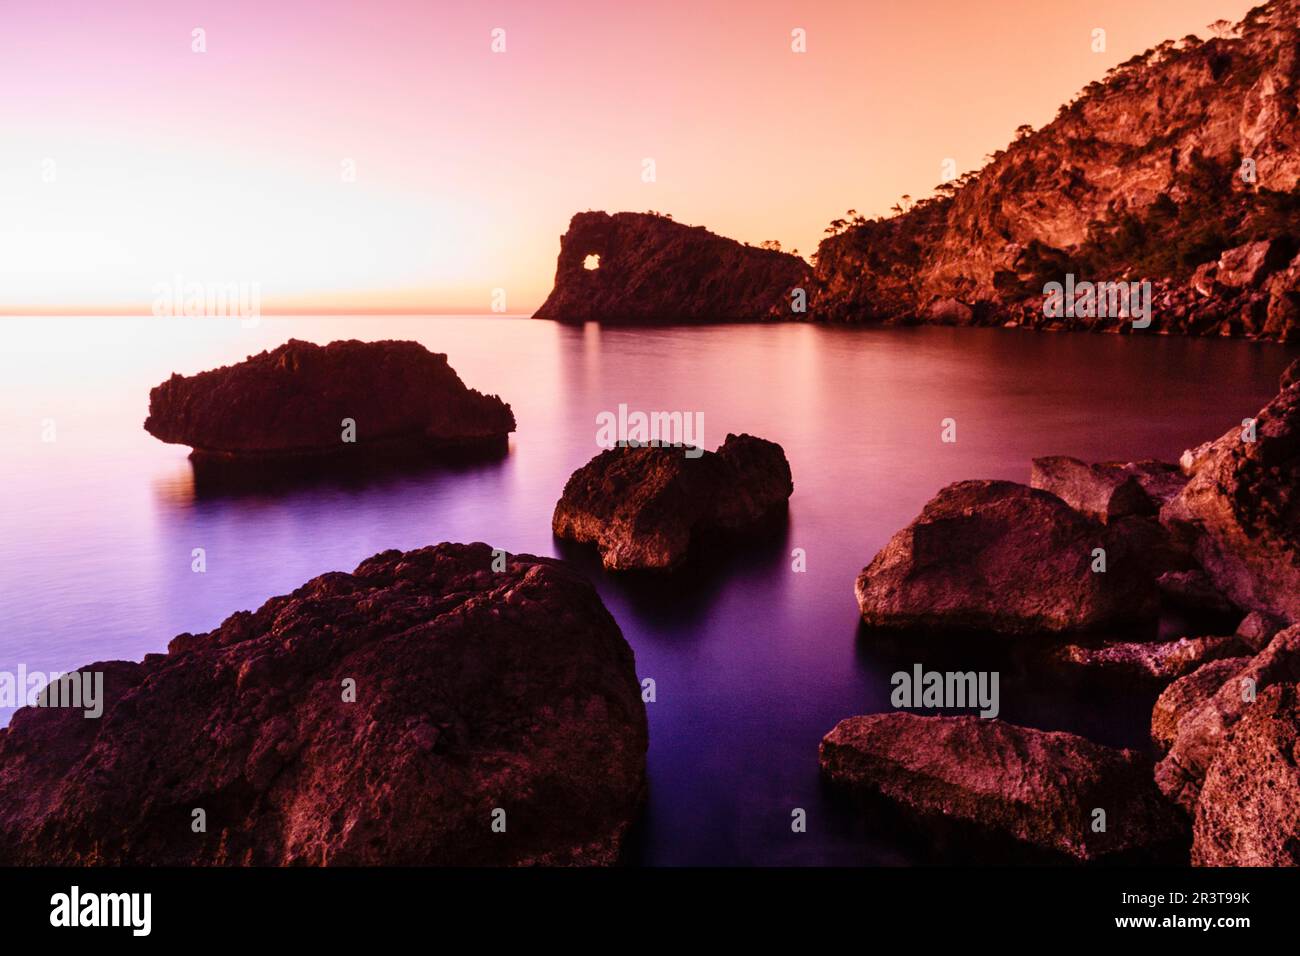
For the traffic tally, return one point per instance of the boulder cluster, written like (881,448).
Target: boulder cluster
(989,560)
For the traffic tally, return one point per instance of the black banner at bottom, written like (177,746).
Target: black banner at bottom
(330,905)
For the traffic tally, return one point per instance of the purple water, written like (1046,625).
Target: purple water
(753,663)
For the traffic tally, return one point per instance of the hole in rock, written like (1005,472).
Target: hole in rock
(591,262)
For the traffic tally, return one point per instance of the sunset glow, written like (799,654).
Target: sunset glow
(130,159)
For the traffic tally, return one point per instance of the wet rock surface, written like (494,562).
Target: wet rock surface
(474,690)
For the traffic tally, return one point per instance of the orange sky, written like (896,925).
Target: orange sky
(131,161)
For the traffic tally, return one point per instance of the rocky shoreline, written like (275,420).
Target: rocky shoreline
(996,560)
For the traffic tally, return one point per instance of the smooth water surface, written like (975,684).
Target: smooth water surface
(753,662)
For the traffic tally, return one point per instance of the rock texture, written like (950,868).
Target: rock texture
(1143,177)
(1149,663)
(652,269)
(1201,731)
(1240,510)
(291,402)
(1249,811)
(1109,489)
(1188,693)
(475,689)
(997,556)
(1037,787)
(644,507)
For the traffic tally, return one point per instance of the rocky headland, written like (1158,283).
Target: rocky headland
(1180,169)
(646,268)
(303,402)
(645,507)
(444,706)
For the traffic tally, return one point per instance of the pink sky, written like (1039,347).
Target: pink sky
(227,166)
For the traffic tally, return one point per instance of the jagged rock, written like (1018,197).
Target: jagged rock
(644,507)
(1241,511)
(1149,663)
(475,690)
(1257,629)
(1186,694)
(1038,787)
(1249,810)
(998,556)
(1250,264)
(1202,731)
(652,269)
(1178,120)
(291,402)
(1291,375)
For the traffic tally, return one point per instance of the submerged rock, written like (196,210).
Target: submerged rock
(998,556)
(1202,729)
(641,267)
(1038,787)
(295,401)
(1249,810)
(1241,510)
(644,507)
(381,717)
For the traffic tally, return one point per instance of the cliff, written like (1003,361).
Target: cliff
(1179,168)
(651,269)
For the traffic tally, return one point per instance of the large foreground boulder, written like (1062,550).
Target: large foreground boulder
(1249,810)
(1241,510)
(1040,788)
(642,267)
(1202,731)
(998,556)
(645,506)
(296,402)
(388,716)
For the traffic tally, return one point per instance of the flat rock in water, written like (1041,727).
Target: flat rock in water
(1037,787)
(1151,663)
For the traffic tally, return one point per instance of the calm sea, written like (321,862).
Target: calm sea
(753,662)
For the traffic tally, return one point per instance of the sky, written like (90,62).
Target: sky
(381,155)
